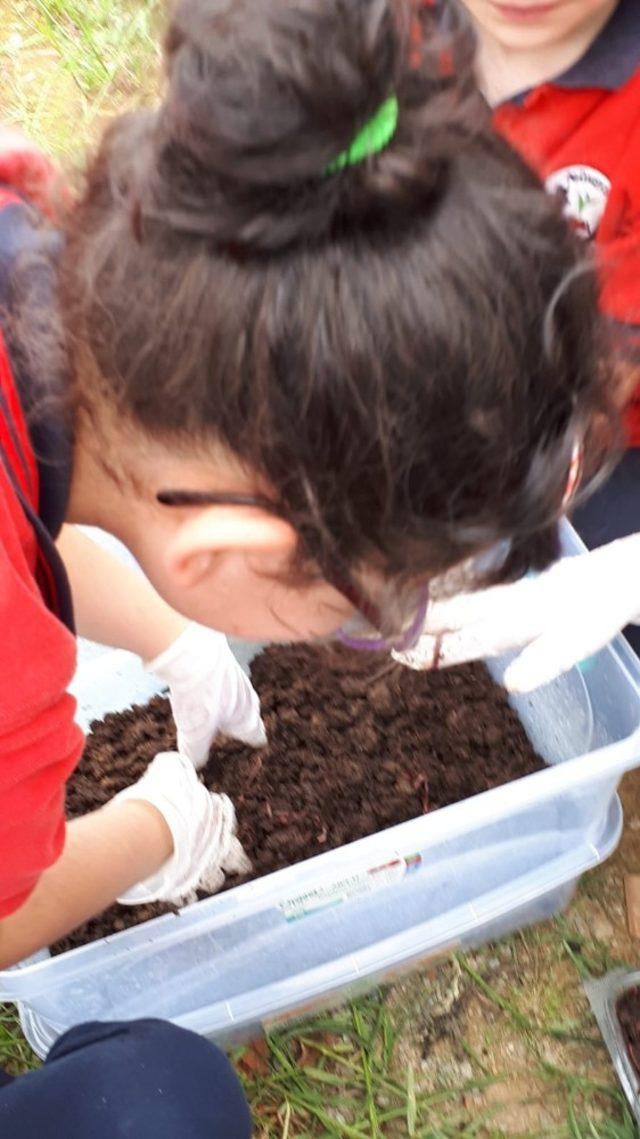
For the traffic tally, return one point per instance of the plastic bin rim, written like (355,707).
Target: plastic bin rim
(267,891)
(216,1020)
(390,953)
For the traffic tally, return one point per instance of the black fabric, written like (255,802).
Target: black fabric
(20,237)
(614,512)
(24,243)
(144,1079)
(50,572)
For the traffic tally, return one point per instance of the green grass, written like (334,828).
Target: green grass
(15,1054)
(66,65)
(530,1027)
(336,1078)
(105,47)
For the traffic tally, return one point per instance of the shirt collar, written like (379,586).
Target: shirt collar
(610,61)
(613,56)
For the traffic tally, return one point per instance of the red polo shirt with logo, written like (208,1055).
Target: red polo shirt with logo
(581,132)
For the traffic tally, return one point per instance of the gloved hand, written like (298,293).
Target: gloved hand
(562,616)
(27,170)
(209,693)
(202,825)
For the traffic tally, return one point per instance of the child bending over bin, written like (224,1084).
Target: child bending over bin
(311,335)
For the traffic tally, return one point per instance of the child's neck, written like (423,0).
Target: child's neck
(505,71)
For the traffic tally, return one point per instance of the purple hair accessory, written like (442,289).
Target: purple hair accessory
(382,644)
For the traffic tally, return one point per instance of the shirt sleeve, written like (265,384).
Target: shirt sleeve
(28,171)
(40,743)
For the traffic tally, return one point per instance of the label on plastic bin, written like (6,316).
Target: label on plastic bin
(352,886)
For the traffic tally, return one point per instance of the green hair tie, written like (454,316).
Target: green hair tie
(371,139)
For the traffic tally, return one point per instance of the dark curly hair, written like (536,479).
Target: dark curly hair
(405,351)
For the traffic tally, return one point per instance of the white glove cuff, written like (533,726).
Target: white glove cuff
(178,663)
(193,853)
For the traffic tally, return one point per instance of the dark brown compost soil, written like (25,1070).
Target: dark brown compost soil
(356,744)
(628,1009)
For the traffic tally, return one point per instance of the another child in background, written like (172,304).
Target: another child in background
(563,78)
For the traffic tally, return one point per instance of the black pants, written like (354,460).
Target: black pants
(614,512)
(143,1079)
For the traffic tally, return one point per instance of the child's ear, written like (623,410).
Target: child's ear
(213,530)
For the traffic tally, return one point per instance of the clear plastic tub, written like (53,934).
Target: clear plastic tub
(604,994)
(305,936)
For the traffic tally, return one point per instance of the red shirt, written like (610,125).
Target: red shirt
(39,742)
(581,133)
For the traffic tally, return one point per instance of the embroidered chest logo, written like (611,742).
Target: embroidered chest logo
(584,192)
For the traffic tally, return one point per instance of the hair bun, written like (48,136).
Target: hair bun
(263,96)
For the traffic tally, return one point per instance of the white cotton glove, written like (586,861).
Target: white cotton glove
(209,693)
(561,617)
(202,825)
